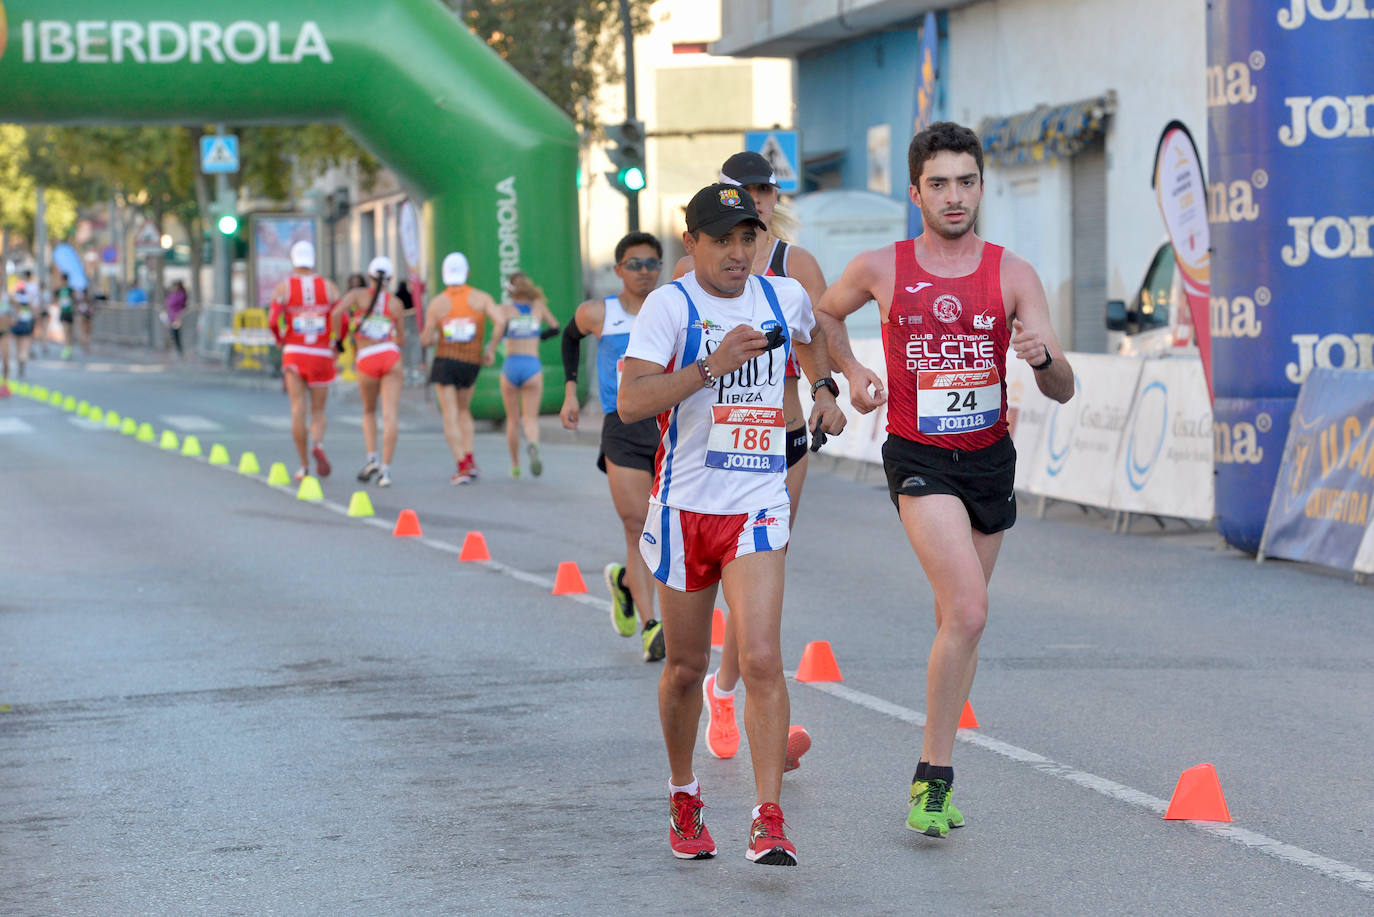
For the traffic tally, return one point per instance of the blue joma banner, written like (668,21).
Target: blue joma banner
(1320,512)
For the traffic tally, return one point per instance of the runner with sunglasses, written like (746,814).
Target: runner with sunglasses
(627,449)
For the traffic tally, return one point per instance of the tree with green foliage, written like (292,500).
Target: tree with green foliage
(568,49)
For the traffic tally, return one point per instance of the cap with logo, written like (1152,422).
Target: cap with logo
(719,208)
(303,254)
(748,168)
(455,269)
(380,265)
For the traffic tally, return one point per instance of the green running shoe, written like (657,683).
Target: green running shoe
(653,642)
(932,809)
(622,603)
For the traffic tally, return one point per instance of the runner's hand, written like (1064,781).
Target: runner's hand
(827,417)
(569,414)
(740,345)
(1028,345)
(860,380)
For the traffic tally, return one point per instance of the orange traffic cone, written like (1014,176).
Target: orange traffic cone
(1198,796)
(717,628)
(474,547)
(966,719)
(407,525)
(818,663)
(568,580)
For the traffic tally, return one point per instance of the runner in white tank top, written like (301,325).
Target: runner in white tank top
(700,359)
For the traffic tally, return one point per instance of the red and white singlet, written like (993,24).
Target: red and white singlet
(946,342)
(306,315)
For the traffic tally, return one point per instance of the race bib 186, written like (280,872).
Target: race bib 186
(747,439)
(957,400)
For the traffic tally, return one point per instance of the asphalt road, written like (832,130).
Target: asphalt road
(218,699)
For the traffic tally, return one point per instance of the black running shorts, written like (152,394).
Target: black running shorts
(629,445)
(458,373)
(984,480)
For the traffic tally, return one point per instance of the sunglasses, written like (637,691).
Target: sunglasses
(641,264)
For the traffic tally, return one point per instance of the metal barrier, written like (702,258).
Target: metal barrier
(125,324)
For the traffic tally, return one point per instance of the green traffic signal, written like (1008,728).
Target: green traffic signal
(228,224)
(631,178)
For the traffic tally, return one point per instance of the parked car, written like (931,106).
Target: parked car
(1157,319)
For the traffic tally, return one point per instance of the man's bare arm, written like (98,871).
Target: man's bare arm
(1033,338)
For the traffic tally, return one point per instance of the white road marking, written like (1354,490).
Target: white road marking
(1331,869)
(1288,853)
(191,423)
(272,421)
(11,425)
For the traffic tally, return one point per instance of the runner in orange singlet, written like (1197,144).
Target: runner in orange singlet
(455,324)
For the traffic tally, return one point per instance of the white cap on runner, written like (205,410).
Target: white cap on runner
(303,254)
(380,265)
(455,269)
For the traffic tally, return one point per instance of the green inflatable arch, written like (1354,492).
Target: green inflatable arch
(494,159)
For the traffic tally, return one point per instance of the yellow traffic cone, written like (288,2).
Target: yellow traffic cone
(219,455)
(278,476)
(309,490)
(145,433)
(191,447)
(248,464)
(169,441)
(360,504)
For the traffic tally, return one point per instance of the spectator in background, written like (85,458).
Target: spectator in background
(356,281)
(176,308)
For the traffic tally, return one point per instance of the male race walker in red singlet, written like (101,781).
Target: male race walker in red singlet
(299,320)
(950,304)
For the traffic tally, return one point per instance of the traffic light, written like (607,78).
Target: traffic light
(226,212)
(627,155)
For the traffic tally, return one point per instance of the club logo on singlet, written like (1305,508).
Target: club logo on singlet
(948,308)
(705,324)
(982,322)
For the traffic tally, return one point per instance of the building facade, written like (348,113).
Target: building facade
(1069,112)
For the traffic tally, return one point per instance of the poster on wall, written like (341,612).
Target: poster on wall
(270,258)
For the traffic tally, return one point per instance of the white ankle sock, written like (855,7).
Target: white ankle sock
(715,688)
(690,789)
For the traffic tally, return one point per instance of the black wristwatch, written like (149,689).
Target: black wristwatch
(827,382)
(1049,361)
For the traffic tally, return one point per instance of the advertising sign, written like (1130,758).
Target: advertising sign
(1288,88)
(1320,511)
(1182,195)
(270,257)
(1164,462)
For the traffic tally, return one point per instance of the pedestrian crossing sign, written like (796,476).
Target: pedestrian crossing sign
(780,149)
(219,153)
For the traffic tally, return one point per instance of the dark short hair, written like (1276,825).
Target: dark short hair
(630,240)
(940,137)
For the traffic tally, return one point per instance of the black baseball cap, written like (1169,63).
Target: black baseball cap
(748,168)
(717,209)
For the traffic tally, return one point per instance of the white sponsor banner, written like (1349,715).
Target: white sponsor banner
(1164,463)
(1364,559)
(1075,455)
(1027,411)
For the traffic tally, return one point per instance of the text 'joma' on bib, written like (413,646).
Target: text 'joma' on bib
(957,400)
(747,439)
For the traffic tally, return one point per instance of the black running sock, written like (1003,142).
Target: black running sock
(940,773)
(620,579)
(921,768)
(648,624)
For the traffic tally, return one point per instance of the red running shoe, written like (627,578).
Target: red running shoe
(322,465)
(798,742)
(687,833)
(768,843)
